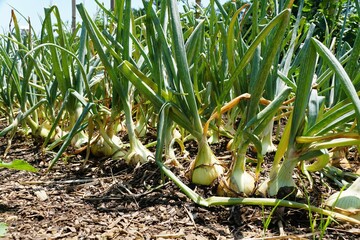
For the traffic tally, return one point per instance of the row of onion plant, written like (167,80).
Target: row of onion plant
(245,68)
(305,112)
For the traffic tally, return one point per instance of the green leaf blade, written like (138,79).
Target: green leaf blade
(18,164)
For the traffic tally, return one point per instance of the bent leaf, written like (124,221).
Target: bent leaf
(345,80)
(18,164)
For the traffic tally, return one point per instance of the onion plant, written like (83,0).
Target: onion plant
(170,81)
(68,74)
(122,90)
(14,47)
(47,83)
(253,122)
(275,83)
(309,132)
(22,90)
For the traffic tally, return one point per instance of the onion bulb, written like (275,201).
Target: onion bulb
(348,201)
(205,168)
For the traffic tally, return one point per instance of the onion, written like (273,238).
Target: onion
(348,201)
(205,168)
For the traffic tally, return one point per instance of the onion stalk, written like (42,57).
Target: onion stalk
(238,180)
(138,153)
(266,139)
(283,177)
(172,135)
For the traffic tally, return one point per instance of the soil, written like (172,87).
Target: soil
(107,199)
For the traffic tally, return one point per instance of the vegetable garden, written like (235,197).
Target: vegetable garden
(217,122)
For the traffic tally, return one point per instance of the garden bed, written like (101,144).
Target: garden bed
(107,199)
